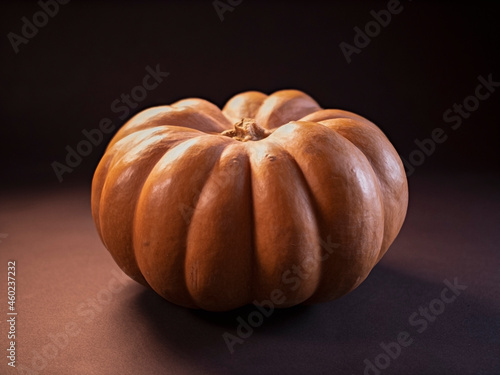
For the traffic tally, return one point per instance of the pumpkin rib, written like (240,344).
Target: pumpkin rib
(283,106)
(187,263)
(331,114)
(371,164)
(182,116)
(218,248)
(105,165)
(98,182)
(253,251)
(160,236)
(369,139)
(204,106)
(285,229)
(310,144)
(394,185)
(133,159)
(312,199)
(244,105)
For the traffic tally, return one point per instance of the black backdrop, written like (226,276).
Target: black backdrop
(66,77)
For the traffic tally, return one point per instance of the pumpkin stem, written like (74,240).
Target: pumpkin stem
(247,130)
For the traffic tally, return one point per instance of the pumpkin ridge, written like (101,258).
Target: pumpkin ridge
(98,184)
(188,117)
(119,164)
(143,248)
(289,225)
(218,252)
(251,220)
(114,157)
(347,125)
(333,114)
(243,105)
(284,106)
(219,148)
(304,147)
(370,163)
(315,214)
(207,108)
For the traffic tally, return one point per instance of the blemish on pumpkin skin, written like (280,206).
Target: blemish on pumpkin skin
(271,157)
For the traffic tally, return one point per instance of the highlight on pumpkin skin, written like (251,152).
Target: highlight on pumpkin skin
(244,105)
(215,209)
(270,111)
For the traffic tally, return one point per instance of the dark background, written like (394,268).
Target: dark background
(428,58)
(65,79)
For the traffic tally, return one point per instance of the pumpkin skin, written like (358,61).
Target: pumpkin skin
(217,209)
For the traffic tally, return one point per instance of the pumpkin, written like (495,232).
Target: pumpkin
(271,196)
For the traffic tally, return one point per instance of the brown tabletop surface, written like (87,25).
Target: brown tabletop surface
(436,290)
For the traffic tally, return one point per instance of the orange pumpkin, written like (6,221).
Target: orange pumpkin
(217,209)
